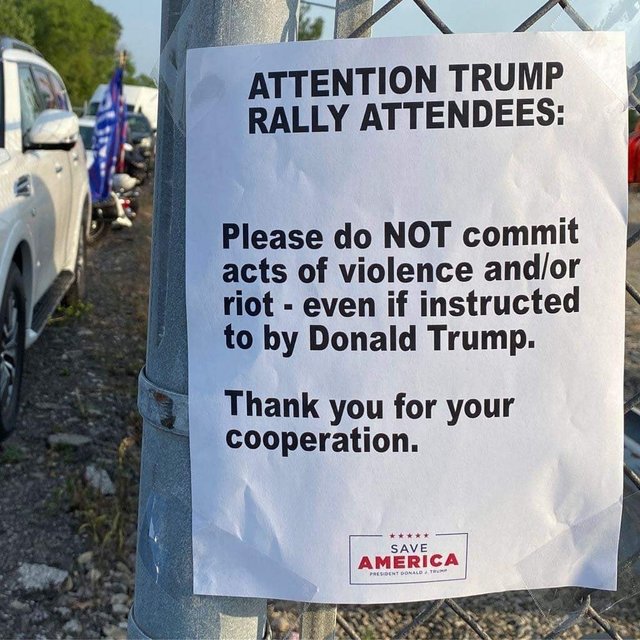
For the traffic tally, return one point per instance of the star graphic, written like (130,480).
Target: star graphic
(426,535)
(409,535)
(393,535)
(401,536)
(417,535)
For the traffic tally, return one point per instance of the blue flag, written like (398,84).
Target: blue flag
(108,137)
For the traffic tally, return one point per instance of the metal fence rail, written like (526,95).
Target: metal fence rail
(355,18)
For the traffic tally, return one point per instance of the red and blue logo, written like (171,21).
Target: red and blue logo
(408,557)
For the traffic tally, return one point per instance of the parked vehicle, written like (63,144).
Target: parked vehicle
(135,163)
(141,136)
(103,211)
(45,205)
(142,100)
(123,200)
(129,201)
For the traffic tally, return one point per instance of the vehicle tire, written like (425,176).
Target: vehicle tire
(12,336)
(95,230)
(78,290)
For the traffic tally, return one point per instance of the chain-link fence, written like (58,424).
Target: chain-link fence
(560,613)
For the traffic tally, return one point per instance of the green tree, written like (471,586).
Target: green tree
(308,28)
(79,39)
(141,80)
(138,79)
(16,22)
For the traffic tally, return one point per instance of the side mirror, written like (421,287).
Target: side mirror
(53,129)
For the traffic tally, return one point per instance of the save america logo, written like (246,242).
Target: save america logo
(407,557)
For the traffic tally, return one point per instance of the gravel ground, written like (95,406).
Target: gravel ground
(66,570)
(80,381)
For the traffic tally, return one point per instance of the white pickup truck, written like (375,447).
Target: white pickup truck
(45,206)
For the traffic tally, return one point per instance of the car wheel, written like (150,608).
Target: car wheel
(78,290)
(95,231)
(12,335)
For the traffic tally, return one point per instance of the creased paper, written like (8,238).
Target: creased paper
(405,296)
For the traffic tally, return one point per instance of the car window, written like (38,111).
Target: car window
(59,93)
(30,105)
(139,124)
(45,89)
(86,133)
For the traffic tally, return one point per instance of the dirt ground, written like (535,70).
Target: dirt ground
(81,379)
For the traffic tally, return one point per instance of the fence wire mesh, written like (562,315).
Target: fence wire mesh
(560,613)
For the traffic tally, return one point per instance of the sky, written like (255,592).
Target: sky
(141,21)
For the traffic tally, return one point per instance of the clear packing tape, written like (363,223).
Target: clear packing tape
(157,551)
(200,26)
(566,603)
(606,15)
(167,568)
(173,64)
(193,30)
(165,563)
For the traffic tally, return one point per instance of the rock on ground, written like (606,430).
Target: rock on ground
(38,577)
(67,440)
(99,479)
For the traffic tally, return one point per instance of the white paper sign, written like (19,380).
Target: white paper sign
(405,295)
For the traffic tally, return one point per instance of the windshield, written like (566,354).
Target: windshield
(138,124)
(86,133)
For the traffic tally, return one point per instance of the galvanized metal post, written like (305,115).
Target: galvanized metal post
(164,604)
(318,621)
(350,14)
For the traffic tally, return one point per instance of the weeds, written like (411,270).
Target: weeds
(72,312)
(80,403)
(65,452)
(11,454)
(106,519)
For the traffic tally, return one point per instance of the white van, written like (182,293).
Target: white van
(138,99)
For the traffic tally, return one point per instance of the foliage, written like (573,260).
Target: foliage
(106,518)
(130,77)
(633,119)
(79,39)
(74,311)
(16,22)
(140,80)
(308,28)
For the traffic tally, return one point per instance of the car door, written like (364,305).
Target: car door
(78,171)
(36,186)
(60,182)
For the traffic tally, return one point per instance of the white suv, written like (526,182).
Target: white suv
(45,204)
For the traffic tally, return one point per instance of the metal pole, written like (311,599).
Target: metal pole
(318,622)
(350,14)
(164,604)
